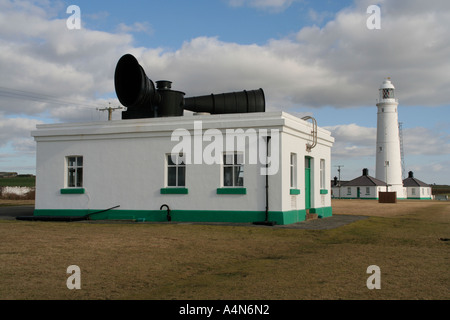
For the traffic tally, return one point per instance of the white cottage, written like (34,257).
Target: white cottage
(416,189)
(363,187)
(187,168)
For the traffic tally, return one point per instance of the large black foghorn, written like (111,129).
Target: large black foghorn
(138,93)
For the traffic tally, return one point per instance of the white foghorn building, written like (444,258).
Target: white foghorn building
(237,163)
(130,169)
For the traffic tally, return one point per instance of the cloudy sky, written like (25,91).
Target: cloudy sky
(314,58)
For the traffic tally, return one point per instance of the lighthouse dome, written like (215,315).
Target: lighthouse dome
(387,84)
(387,90)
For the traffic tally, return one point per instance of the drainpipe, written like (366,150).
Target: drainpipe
(267,179)
(266,221)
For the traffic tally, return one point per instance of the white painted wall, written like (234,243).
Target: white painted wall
(419,192)
(372,194)
(124,164)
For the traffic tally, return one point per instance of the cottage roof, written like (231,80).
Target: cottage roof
(413,182)
(364,181)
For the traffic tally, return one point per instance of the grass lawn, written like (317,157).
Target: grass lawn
(18,182)
(187,261)
(7,203)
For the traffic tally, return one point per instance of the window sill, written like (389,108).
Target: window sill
(73,191)
(323,191)
(174,191)
(231,190)
(294,191)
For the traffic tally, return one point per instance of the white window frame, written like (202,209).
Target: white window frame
(236,163)
(293,170)
(322,174)
(75,167)
(177,161)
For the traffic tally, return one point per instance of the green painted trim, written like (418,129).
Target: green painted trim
(294,191)
(231,190)
(73,191)
(174,191)
(280,217)
(323,191)
(419,198)
(324,212)
(350,198)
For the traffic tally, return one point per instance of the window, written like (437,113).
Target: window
(367,190)
(349,191)
(74,172)
(388,93)
(293,170)
(176,170)
(233,170)
(322,174)
(413,191)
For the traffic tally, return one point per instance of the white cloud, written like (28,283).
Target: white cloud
(419,141)
(144,27)
(353,141)
(16,132)
(40,55)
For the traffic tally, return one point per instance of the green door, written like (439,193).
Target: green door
(358,193)
(307,183)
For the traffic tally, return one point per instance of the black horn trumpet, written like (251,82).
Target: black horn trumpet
(138,93)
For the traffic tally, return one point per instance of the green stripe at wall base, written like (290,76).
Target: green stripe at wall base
(280,217)
(324,212)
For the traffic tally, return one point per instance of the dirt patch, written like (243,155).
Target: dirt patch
(375,209)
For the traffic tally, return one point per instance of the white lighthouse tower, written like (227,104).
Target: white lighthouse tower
(388,155)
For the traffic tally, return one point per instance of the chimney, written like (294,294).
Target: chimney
(365,172)
(335,181)
(410,174)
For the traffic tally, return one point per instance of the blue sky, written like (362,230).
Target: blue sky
(170,23)
(310,57)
